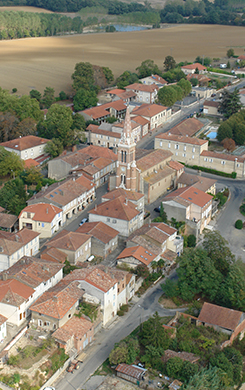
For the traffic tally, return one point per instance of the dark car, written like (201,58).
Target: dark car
(157,209)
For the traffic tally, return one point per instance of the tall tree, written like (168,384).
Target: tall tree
(169,63)
(147,68)
(58,124)
(83,76)
(167,96)
(84,99)
(48,97)
(54,147)
(152,333)
(230,103)
(10,163)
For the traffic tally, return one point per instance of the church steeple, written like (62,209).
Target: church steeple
(126,166)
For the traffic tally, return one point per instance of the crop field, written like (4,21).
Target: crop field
(40,62)
(25,9)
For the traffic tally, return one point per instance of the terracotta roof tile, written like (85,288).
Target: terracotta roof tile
(191,195)
(14,293)
(211,103)
(150,160)
(141,120)
(2,319)
(106,133)
(99,230)
(194,66)
(98,151)
(176,165)
(155,177)
(200,182)
(53,254)
(58,300)
(94,276)
(30,163)
(115,91)
(133,371)
(148,110)
(188,127)
(7,220)
(12,242)
(76,327)
(139,253)
(85,182)
(142,87)
(116,208)
(43,212)
(182,138)
(68,240)
(158,79)
(22,143)
(130,195)
(92,127)
(104,110)
(220,316)
(32,271)
(222,156)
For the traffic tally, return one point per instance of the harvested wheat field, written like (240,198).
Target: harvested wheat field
(39,62)
(26,9)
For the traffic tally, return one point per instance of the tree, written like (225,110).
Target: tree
(186,86)
(79,123)
(83,76)
(62,95)
(10,163)
(239,224)
(152,333)
(174,367)
(31,176)
(167,96)
(48,97)
(58,124)
(224,131)
(126,78)
(34,94)
(84,99)
(230,53)
(147,68)
(8,126)
(179,91)
(119,354)
(54,147)
(13,196)
(196,71)
(169,63)
(208,378)
(194,81)
(25,127)
(142,271)
(108,74)
(229,144)
(191,241)
(230,103)
(163,214)
(228,65)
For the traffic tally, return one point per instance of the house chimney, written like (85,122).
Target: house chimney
(126,201)
(5,276)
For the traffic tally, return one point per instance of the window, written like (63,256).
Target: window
(184,155)
(42,224)
(193,157)
(184,148)
(211,160)
(107,219)
(223,162)
(169,145)
(86,248)
(176,154)
(28,215)
(205,159)
(193,150)
(238,165)
(160,143)
(177,146)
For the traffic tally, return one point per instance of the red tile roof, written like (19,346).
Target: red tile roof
(14,293)
(106,133)
(242,57)
(176,165)
(116,208)
(148,110)
(54,254)
(133,371)
(150,160)
(158,231)
(139,253)
(130,195)
(7,221)
(98,151)
(85,182)
(220,316)
(116,91)
(223,156)
(142,87)
(2,319)
(94,276)
(70,241)
(158,79)
(32,271)
(211,103)
(188,127)
(12,242)
(191,195)
(92,127)
(76,327)
(99,230)
(22,143)
(43,212)
(182,139)
(141,120)
(104,110)
(30,163)
(194,66)
(58,300)
(200,182)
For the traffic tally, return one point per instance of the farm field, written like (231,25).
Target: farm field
(25,9)
(40,62)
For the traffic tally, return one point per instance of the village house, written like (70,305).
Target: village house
(211,107)
(134,374)
(43,218)
(100,285)
(135,197)
(106,138)
(56,306)
(156,238)
(223,162)
(136,255)
(53,254)
(125,96)
(76,246)
(3,327)
(184,148)
(118,213)
(191,205)
(104,239)
(200,182)
(190,127)
(222,319)
(23,283)
(71,196)
(75,333)
(203,92)
(13,246)
(8,222)
(144,93)
(202,79)
(104,111)
(187,69)
(28,147)
(154,113)
(154,79)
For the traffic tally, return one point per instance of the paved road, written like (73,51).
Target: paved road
(143,308)
(225,220)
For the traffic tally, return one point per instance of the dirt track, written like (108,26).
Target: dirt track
(40,62)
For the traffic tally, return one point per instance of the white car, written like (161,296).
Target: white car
(49,388)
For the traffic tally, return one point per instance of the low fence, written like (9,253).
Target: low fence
(51,380)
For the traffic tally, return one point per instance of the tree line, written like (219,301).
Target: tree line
(28,24)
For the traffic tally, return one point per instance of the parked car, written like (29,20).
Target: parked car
(49,388)
(157,209)
(74,365)
(83,221)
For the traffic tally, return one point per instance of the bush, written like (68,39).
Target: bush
(213,171)
(239,224)
(191,240)
(120,313)
(14,90)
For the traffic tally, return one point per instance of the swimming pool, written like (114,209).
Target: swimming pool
(212,134)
